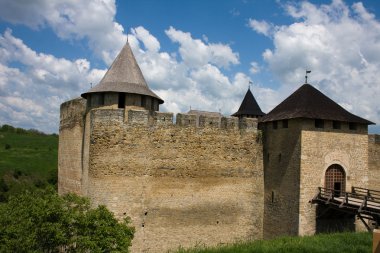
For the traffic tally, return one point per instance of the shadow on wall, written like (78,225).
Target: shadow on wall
(330,221)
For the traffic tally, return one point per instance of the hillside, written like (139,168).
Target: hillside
(27,156)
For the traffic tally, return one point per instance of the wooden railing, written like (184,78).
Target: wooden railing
(371,194)
(360,199)
(364,203)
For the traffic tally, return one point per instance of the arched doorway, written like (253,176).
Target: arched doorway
(330,220)
(335,179)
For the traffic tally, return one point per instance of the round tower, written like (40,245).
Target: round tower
(123,86)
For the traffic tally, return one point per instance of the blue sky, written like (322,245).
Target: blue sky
(192,53)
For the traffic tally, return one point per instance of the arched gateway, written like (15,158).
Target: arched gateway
(328,219)
(335,179)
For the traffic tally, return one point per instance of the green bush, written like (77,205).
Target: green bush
(42,221)
(7,128)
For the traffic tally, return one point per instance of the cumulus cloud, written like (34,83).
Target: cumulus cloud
(190,81)
(339,43)
(255,68)
(71,20)
(30,94)
(195,52)
(262,27)
(195,79)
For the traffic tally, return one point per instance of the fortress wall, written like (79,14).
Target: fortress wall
(374,161)
(181,185)
(70,146)
(282,147)
(322,148)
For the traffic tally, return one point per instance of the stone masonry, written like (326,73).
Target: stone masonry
(181,185)
(374,161)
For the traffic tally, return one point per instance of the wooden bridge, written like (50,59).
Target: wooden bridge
(364,203)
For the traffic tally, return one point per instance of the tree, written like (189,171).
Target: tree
(42,221)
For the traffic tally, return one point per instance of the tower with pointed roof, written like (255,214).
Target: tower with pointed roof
(123,86)
(249,107)
(310,141)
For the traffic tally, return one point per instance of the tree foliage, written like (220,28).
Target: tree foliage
(42,221)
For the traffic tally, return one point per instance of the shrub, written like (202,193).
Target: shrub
(42,221)
(7,128)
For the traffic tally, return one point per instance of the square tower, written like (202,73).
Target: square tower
(309,142)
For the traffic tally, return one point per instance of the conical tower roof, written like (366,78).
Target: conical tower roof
(308,102)
(249,106)
(124,75)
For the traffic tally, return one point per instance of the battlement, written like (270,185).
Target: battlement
(72,112)
(135,117)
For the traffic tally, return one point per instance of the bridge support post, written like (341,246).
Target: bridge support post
(365,223)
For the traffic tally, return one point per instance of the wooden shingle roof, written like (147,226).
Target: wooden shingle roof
(124,75)
(249,106)
(308,102)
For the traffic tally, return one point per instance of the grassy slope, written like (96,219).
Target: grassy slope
(342,242)
(30,154)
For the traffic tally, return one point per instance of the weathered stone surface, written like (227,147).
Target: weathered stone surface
(181,185)
(374,161)
(323,148)
(295,161)
(282,148)
(70,146)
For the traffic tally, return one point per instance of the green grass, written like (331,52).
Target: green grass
(340,242)
(28,154)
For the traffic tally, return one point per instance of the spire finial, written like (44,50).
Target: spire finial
(249,84)
(307,72)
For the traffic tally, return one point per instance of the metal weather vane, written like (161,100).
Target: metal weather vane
(307,72)
(249,84)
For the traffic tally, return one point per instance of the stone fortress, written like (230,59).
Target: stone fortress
(209,179)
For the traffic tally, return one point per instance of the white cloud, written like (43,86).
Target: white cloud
(150,42)
(30,95)
(71,20)
(195,52)
(255,68)
(262,27)
(339,43)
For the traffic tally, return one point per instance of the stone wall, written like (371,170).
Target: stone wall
(321,148)
(181,185)
(70,146)
(374,161)
(282,147)
(295,160)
